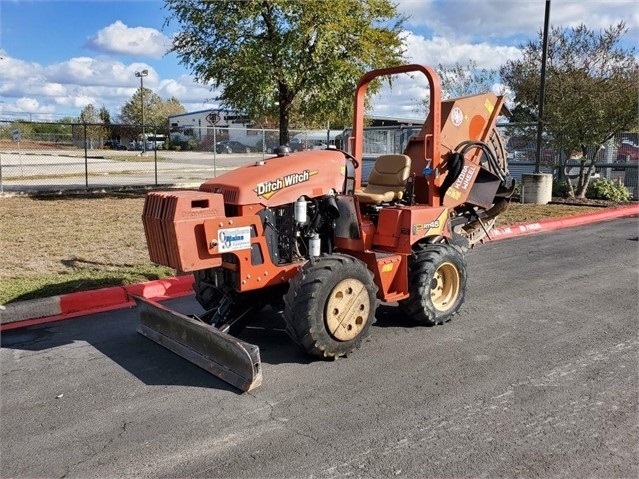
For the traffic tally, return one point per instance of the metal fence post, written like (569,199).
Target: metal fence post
(86,157)
(155,154)
(1,185)
(214,153)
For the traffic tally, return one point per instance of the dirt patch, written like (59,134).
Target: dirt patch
(591,202)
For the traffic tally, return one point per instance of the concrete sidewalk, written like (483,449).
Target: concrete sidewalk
(57,308)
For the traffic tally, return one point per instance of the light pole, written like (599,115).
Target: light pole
(542,89)
(141,75)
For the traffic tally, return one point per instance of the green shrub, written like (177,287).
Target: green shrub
(560,188)
(192,144)
(184,145)
(603,189)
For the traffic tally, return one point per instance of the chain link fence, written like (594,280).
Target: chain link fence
(65,156)
(616,160)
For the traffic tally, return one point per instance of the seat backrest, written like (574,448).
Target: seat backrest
(390,170)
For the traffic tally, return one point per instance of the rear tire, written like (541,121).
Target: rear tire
(330,305)
(437,284)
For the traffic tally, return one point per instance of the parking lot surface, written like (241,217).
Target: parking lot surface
(535,377)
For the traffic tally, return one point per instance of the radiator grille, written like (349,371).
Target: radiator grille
(230,196)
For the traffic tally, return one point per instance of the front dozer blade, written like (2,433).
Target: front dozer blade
(234,361)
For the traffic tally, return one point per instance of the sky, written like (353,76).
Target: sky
(56,57)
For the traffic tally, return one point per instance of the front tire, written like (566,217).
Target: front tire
(437,284)
(330,305)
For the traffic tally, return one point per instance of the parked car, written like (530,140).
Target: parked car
(521,155)
(270,146)
(628,151)
(297,145)
(113,145)
(231,146)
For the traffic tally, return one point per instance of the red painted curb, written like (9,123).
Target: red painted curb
(559,223)
(92,300)
(162,288)
(106,299)
(86,302)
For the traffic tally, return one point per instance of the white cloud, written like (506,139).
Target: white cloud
(440,50)
(71,85)
(442,32)
(403,98)
(135,41)
(54,89)
(33,105)
(185,90)
(14,69)
(462,19)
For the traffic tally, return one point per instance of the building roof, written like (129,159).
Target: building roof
(380,120)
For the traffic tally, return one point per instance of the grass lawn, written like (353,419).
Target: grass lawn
(60,244)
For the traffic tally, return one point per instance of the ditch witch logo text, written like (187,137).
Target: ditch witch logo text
(267,189)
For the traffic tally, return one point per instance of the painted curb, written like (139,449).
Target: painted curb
(559,223)
(58,308)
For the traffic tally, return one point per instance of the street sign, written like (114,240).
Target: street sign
(16,136)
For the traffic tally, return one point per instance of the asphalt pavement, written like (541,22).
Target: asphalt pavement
(535,377)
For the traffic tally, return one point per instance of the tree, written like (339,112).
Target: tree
(94,131)
(156,110)
(105,116)
(280,58)
(590,93)
(170,107)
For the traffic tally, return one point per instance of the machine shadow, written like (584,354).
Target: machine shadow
(390,316)
(115,335)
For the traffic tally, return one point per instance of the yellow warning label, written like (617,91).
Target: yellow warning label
(489,106)
(387,268)
(453,193)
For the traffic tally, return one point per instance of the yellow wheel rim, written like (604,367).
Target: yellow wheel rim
(444,288)
(347,309)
